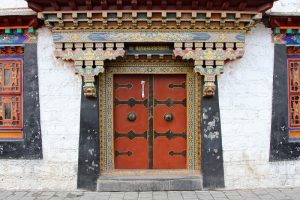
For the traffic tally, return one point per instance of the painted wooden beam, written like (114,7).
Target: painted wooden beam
(134,4)
(242,6)
(35,7)
(55,5)
(33,22)
(104,4)
(195,4)
(149,4)
(119,4)
(164,4)
(6,22)
(72,4)
(289,21)
(19,21)
(178,4)
(276,22)
(232,5)
(89,4)
(225,5)
(209,5)
(265,7)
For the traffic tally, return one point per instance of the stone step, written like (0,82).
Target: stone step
(115,183)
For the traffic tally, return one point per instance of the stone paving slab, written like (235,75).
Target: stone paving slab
(250,194)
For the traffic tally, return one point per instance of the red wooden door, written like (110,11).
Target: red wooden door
(150,121)
(130,122)
(169,146)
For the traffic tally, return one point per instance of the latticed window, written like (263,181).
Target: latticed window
(294,98)
(10,98)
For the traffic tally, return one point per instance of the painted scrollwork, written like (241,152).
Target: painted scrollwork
(209,73)
(89,62)
(209,54)
(209,62)
(89,73)
(90,54)
(89,50)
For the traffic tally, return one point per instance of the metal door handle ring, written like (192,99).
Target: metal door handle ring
(131,116)
(168,117)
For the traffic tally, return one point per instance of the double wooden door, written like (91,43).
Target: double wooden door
(150,121)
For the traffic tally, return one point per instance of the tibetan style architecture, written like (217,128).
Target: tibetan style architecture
(141,95)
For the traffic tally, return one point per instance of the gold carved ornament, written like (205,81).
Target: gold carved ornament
(209,59)
(89,60)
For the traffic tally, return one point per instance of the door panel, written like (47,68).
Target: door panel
(130,122)
(169,146)
(150,130)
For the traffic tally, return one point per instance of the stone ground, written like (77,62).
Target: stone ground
(253,194)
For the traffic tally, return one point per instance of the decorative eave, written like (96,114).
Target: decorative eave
(286,28)
(89,50)
(79,5)
(149,20)
(210,50)
(17,27)
(20,20)
(17,12)
(204,15)
(90,32)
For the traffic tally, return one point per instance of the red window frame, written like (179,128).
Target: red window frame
(293,69)
(11,93)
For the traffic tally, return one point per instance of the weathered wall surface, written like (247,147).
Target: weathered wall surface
(60,93)
(286,6)
(13,4)
(245,92)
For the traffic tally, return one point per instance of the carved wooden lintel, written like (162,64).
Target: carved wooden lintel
(89,50)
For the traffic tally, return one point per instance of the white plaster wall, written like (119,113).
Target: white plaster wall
(60,95)
(286,6)
(245,91)
(13,4)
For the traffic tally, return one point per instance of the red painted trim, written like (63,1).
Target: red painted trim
(189,5)
(20,94)
(290,60)
(284,22)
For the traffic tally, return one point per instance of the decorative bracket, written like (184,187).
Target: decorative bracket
(89,50)
(209,59)
(89,59)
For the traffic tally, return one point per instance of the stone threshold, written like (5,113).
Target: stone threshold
(141,183)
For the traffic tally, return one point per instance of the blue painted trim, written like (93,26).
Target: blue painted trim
(294,129)
(293,45)
(12,45)
(11,57)
(147,37)
(241,37)
(294,57)
(12,39)
(12,140)
(294,140)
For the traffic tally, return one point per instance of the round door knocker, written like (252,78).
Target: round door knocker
(131,116)
(168,117)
